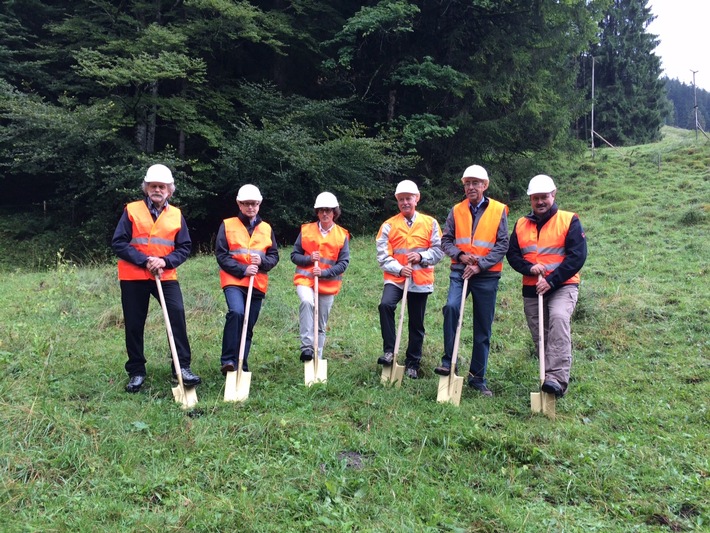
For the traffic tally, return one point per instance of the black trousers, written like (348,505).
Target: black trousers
(135,296)
(416,307)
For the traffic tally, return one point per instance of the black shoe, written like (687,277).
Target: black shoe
(412,373)
(188,378)
(442,370)
(550,387)
(135,383)
(229,366)
(386,359)
(306,355)
(480,387)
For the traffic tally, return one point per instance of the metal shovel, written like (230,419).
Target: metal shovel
(183,395)
(236,387)
(394,373)
(450,386)
(315,370)
(542,402)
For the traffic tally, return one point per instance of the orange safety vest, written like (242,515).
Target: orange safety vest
(241,246)
(482,241)
(403,240)
(547,248)
(329,247)
(153,238)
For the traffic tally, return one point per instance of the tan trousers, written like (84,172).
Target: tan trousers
(558,308)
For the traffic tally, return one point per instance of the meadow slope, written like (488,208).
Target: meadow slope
(629,451)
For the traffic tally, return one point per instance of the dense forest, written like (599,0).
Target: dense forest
(683,99)
(303,96)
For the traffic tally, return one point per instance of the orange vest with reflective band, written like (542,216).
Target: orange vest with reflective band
(329,247)
(241,246)
(482,241)
(403,240)
(547,248)
(153,238)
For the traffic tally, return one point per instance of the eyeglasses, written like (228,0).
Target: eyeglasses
(325,210)
(249,204)
(473,184)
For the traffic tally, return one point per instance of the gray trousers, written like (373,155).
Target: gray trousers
(558,308)
(305,317)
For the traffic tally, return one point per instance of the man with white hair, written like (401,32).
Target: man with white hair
(548,247)
(476,239)
(408,246)
(151,239)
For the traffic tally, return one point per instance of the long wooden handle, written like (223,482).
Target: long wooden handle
(541,334)
(247,306)
(171,340)
(457,338)
(401,315)
(315,317)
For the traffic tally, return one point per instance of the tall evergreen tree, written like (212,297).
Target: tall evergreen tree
(630,103)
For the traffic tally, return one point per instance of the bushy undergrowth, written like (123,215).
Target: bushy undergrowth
(628,452)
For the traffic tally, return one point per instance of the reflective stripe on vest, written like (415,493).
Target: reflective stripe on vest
(484,239)
(329,247)
(547,248)
(241,246)
(153,238)
(403,240)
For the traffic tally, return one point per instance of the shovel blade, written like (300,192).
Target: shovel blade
(450,388)
(322,371)
(542,402)
(548,404)
(535,402)
(392,374)
(309,372)
(186,397)
(236,387)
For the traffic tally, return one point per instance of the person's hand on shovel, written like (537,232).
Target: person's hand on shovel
(541,286)
(155,265)
(253,268)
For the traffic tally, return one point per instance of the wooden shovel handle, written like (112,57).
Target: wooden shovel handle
(457,338)
(171,340)
(242,343)
(541,333)
(401,317)
(315,318)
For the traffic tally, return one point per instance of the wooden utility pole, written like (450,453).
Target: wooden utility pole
(695,104)
(592,130)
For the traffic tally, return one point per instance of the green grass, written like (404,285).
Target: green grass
(628,452)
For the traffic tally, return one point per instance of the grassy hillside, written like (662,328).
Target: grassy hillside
(628,452)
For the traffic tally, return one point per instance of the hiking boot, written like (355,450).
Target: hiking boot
(188,378)
(229,366)
(386,359)
(412,373)
(550,387)
(480,387)
(306,355)
(135,383)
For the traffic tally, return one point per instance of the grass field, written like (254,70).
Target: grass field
(629,450)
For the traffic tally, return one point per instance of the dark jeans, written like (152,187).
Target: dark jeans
(234,323)
(135,297)
(484,290)
(416,307)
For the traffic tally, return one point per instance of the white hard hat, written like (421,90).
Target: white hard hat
(326,199)
(541,184)
(475,171)
(249,193)
(159,174)
(406,186)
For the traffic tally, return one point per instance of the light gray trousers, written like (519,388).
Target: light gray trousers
(558,308)
(305,317)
